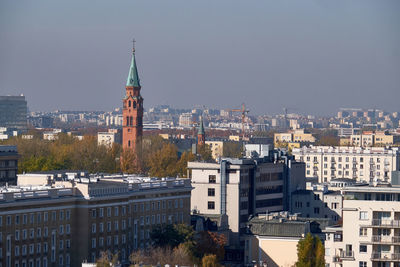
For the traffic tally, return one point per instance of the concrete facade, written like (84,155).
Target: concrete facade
(370,234)
(75,220)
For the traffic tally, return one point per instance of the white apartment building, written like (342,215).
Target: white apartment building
(109,138)
(186,119)
(370,234)
(318,204)
(360,164)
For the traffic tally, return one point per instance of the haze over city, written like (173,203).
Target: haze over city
(311,56)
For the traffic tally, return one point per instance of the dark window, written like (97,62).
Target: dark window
(211,192)
(129,103)
(211,205)
(212,179)
(363,248)
(134,104)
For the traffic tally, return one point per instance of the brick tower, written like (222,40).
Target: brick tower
(132,110)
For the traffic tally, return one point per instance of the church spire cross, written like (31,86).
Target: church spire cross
(133,45)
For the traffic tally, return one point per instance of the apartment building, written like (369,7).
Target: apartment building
(318,204)
(239,188)
(370,138)
(73,220)
(358,163)
(370,234)
(110,137)
(298,136)
(8,165)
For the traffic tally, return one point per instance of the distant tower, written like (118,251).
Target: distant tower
(201,135)
(132,109)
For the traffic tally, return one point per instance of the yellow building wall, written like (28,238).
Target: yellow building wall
(274,252)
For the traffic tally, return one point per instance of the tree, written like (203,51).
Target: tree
(205,152)
(171,235)
(210,260)
(107,259)
(181,166)
(232,150)
(210,243)
(310,252)
(162,163)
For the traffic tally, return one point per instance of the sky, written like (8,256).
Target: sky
(310,56)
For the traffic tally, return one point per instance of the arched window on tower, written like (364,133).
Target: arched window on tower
(134,104)
(131,120)
(127,120)
(129,143)
(129,103)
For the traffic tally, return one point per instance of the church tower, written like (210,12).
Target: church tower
(132,110)
(201,135)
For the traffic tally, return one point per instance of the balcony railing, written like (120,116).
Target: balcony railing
(336,259)
(385,239)
(347,254)
(386,223)
(379,256)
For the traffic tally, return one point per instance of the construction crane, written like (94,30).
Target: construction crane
(244,112)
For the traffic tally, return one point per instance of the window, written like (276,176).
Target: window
(108,212)
(211,192)
(363,248)
(67,229)
(212,179)
(61,215)
(363,231)
(93,242)
(316,210)
(211,205)
(362,264)
(101,227)
(101,212)
(363,215)
(68,214)
(93,228)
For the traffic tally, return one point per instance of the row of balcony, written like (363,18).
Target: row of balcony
(379,256)
(385,239)
(386,223)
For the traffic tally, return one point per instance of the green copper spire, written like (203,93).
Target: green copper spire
(133,77)
(201,128)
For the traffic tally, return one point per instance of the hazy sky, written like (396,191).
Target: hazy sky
(310,56)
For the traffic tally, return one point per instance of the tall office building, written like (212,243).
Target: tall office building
(13,112)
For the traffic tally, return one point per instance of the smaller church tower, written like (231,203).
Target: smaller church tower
(201,135)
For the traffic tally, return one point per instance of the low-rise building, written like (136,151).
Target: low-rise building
(271,239)
(70,220)
(297,136)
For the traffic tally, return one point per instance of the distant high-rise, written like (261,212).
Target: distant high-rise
(132,110)
(13,112)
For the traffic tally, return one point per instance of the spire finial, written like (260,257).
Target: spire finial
(133,45)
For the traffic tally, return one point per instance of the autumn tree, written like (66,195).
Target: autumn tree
(232,150)
(310,252)
(205,153)
(210,243)
(210,260)
(107,259)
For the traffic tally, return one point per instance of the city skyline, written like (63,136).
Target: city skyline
(74,57)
